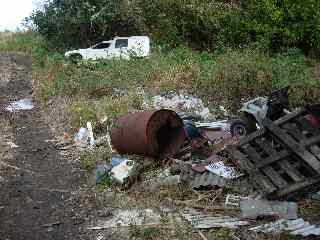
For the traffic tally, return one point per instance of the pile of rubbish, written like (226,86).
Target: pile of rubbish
(259,176)
(182,103)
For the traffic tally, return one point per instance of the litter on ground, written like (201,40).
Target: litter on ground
(255,177)
(23,104)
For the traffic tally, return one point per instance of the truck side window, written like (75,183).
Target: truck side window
(101,46)
(120,43)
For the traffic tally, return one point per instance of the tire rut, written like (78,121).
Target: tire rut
(34,200)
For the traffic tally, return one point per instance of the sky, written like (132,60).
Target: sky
(12,12)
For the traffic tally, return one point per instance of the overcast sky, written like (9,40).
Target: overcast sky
(12,12)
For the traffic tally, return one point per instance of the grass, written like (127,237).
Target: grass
(111,88)
(108,88)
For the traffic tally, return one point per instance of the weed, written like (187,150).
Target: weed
(88,160)
(150,233)
(82,111)
(228,77)
(221,234)
(104,182)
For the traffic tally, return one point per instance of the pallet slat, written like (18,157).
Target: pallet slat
(269,153)
(268,171)
(258,179)
(294,146)
(291,171)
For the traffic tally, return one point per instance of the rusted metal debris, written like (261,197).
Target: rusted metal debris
(154,133)
(282,159)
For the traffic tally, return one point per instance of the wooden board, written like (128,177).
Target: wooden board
(298,149)
(283,157)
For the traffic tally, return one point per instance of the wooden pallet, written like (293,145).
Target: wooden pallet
(283,158)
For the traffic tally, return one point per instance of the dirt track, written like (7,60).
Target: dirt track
(36,182)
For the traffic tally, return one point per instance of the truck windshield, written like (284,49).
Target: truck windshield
(101,46)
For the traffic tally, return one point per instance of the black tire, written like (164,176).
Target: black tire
(75,58)
(244,126)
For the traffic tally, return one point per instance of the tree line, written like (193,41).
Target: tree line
(271,25)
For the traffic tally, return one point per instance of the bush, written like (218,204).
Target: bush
(203,24)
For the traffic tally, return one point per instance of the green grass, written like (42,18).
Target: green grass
(223,78)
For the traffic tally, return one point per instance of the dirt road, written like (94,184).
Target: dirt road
(36,182)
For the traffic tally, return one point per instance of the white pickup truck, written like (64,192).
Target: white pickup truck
(119,47)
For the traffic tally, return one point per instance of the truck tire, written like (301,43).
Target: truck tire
(75,58)
(243,126)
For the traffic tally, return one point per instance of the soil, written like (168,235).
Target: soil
(36,181)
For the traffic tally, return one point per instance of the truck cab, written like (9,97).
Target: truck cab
(118,48)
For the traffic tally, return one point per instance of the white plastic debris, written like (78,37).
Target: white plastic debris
(23,104)
(82,136)
(220,169)
(182,103)
(12,145)
(126,218)
(122,171)
(294,227)
(234,200)
(201,220)
(90,134)
(224,125)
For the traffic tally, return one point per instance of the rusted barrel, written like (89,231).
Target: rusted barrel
(153,133)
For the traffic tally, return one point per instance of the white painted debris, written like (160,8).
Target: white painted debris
(82,136)
(205,221)
(220,169)
(294,227)
(12,145)
(251,208)
(126,218)
(122,171)
(182,103)
(234,200)
(224,125)
(23,104)
(90,134)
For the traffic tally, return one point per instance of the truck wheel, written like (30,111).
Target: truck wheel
(75,58)
(244,126)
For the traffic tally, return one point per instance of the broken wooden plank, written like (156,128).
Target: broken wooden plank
(291,171)
(275,157)
(293,130)
(290,116)
(297,188)
(315,150)
(284,164)
(268,170)
(261,182)
(275,177)
(311,141)
(293,145)
(254,155)
(252,136)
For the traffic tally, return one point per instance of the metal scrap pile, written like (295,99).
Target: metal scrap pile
(238,176)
